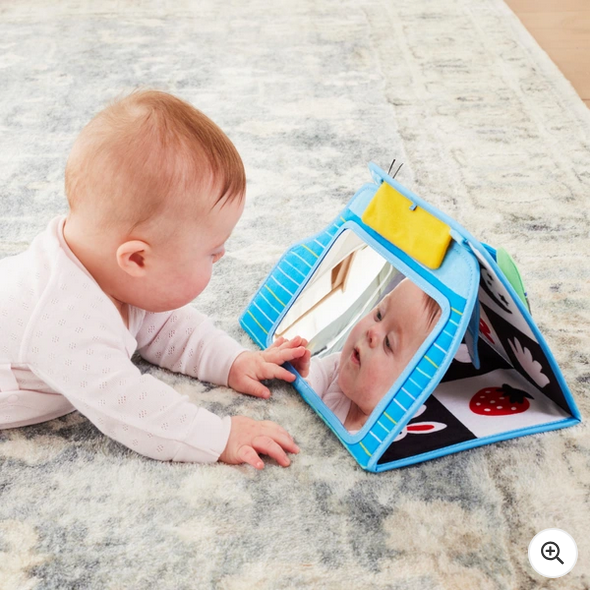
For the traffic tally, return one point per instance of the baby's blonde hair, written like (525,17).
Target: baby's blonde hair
(142,155)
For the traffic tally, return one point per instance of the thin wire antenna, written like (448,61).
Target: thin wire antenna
(391,166)
(400,167)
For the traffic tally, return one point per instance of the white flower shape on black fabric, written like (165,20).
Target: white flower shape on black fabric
(528,363)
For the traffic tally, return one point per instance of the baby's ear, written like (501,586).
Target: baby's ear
(131,257)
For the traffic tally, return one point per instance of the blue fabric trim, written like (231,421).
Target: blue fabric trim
(362,198)
(478,442)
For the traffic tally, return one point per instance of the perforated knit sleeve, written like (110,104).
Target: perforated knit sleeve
(83,357)
(186,341)
(139,411)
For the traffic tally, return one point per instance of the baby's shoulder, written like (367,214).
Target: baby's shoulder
(23,279)
(24,275)
(332,361)
(65,303)
(327,364)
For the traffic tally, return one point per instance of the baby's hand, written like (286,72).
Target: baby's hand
(250,368)
(249,437)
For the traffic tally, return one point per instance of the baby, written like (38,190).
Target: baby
(377,350)
(155,189)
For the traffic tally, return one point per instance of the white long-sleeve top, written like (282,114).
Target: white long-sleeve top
(64,347)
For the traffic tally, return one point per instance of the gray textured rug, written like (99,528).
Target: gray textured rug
(309,91)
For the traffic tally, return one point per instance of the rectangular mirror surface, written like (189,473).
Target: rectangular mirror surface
(364,321)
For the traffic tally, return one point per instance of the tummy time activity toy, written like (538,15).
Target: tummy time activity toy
(483,374)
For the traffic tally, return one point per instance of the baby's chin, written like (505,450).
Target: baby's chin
(153,303)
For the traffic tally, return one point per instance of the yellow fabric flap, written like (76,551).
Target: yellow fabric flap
(417,232)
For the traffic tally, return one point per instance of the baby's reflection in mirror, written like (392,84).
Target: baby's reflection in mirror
(378,348)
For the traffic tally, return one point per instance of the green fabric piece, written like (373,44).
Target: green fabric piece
(510,270)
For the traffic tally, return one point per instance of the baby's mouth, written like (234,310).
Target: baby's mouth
(356,357)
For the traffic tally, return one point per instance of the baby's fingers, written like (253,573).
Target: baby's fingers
(266,445)
(254,387)
(305,360)
(302,364)
(280,435)
(277,372)
(283,354)
(278,342)
(248,455)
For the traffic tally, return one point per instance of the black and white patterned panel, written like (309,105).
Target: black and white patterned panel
(506,330)
(432,427)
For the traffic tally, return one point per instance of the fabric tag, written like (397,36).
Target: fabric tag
(412,229)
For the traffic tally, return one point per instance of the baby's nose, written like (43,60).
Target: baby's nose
(372,336)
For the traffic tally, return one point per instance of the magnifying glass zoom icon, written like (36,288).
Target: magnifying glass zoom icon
(548,553)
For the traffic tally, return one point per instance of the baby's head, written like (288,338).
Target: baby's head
(380,345)
(155,189)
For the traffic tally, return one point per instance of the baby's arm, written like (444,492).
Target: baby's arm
(143,413)
(139,411)
(186,341)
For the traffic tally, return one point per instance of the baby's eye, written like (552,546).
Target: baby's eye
(378,316)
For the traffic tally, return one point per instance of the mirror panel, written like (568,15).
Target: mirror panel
(364,321)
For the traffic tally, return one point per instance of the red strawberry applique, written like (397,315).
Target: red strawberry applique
(500,401)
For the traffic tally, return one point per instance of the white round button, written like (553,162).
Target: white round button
(553,553)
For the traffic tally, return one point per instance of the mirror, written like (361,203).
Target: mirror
(364,321)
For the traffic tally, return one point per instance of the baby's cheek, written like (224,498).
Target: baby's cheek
(346,382)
